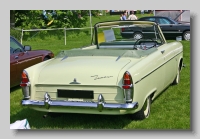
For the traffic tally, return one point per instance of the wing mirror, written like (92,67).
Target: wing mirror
(27,48)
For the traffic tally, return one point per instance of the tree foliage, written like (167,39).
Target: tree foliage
(30,19)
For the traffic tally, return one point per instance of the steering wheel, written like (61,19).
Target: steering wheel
(143,39)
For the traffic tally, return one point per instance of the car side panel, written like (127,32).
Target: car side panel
(26,59)
(154,73)
(148,77)
(167,51)
(33,58)
(171,31)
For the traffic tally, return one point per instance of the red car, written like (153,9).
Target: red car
(22,57)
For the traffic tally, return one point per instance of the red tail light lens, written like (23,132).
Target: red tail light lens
(127,81)
(24,79)
(122,29)
(127,78)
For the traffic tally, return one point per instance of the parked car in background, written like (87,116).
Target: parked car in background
(22,57)
(112,76)
(170,28)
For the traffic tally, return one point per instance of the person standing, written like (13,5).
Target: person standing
(124,16)
(132,16)
(121,17)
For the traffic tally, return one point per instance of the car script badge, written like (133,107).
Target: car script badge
(74,82)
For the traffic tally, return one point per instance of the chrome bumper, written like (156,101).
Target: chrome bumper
(100,105)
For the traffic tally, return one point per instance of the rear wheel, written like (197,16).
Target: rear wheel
(145,111)
(186,35)
(137,35)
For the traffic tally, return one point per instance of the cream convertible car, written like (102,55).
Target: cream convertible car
(111,76)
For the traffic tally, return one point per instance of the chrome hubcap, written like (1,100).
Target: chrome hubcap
(187,36)
(137,36)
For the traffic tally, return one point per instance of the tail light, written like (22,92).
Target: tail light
(122,29)
(24,79)
(128,87)
(127,81)
(25,84)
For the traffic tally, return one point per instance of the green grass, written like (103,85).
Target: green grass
(171,110)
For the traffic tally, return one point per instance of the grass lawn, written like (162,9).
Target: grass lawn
(171,110)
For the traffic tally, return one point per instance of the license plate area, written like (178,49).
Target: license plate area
(86,94)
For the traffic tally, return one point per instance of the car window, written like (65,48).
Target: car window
(148,19)
(152,19)
(15,47)
(163,21)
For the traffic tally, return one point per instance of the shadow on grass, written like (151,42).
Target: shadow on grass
(71,121)
(13,89)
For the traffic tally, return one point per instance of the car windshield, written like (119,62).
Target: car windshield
(121,39)
(172,20)
(14,46)
(127,33)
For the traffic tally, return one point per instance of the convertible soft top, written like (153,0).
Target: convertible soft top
(106,52)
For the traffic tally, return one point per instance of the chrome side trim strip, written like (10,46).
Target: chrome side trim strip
(157,68)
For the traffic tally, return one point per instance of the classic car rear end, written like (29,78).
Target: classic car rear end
(114,76)
(73,82)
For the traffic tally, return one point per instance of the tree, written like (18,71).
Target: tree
(30,19)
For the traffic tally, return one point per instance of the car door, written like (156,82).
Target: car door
(16,60)
(168,28)
(19,60)
(169,64)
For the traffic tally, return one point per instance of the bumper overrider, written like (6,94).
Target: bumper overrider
(100,105)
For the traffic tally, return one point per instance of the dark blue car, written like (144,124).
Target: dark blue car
(170,28)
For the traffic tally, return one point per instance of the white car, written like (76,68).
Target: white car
(112,76)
